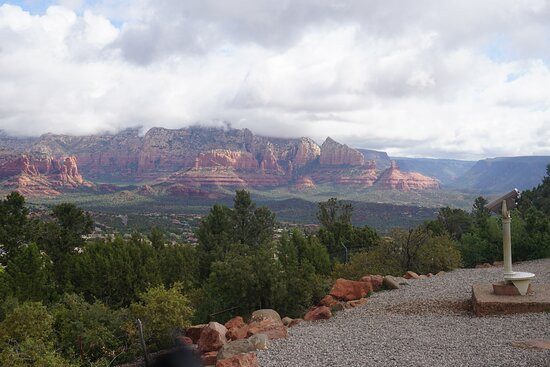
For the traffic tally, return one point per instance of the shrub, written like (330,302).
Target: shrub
(26,338)
(93,326)
(439,253)
(163,312)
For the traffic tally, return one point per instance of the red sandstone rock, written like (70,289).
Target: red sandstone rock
(349,290)
(295,322)
(357,302)
(393,178)
(318,313)
(194,332)
(212,337)
(361,176)
(336,154)
(304,183)
(209,358)
(40,175)
(273,329)
(306,152)
(328,301)
(265,313)
(269,161)
(375,281)
(240,360)
(236,321)
(236,333)
(411,275)
(226,158)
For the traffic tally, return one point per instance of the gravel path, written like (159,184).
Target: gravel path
(425,324)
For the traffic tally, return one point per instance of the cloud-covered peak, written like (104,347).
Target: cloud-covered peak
(460,79)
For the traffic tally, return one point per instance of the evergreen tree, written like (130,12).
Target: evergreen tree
(115,271)
(157,238)
(29,275)
(13,225)
(63,238)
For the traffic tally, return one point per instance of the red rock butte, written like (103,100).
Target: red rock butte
(185,160)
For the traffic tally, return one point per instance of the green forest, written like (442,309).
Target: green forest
(71,300)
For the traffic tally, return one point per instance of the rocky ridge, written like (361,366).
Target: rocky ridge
(198,158)
(40,175)
(394,179)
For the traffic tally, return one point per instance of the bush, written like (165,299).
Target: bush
(383,260)
(439,253)
(163,312)
(26,338)
(93,326)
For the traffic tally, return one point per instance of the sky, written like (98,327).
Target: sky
(455,79)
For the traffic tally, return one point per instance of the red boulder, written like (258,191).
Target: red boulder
(318,313)
(269,327)
(348,290)
(328,301)
(237,333)
(375,281)
(236,321)
(411,275)
(212,337)
(194,332)
(209,358)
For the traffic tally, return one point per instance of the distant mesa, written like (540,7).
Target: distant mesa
(304,183)
(394,179)
(192,161)
(40,175)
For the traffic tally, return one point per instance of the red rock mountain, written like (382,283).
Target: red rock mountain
(40,175)
(190,159)
(393,178)
(336,154)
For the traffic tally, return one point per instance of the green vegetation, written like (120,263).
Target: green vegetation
(68,299)
(480,235)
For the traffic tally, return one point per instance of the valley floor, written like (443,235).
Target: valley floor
(428,323)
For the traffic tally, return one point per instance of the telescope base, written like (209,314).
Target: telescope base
(486,302)
(521,280)
(508,289)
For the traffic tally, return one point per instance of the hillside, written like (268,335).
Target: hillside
(445,170)
(503,174)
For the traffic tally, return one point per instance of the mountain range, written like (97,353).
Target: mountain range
(199,160)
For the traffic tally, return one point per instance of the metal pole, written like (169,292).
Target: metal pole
(506,240)
(143,346)
(345,248)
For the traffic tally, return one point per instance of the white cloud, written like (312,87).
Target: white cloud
(426,80)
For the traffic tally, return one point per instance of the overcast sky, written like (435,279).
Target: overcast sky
(459,79)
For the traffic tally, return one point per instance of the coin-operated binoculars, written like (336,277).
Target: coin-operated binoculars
(503,205)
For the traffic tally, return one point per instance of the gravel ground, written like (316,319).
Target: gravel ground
(428,323)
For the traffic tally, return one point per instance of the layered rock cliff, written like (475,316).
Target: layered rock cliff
(336,154)
(195,157)
(393,178)
(40,175)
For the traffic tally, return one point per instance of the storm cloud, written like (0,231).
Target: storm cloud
(459,79)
